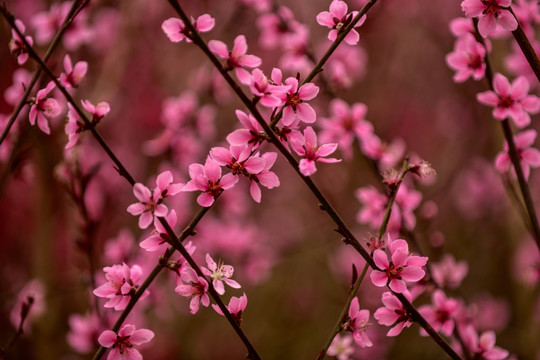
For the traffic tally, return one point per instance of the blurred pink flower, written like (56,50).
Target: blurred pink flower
(341,347)
(21,80)
(448,273)
(483,347)
(306,146)
(237,57)
(490,13)
(467,59)
(123,344)
(236,307)
(176,30)
(511,100)
(30,304)
(74,75)
(440,313)
(84,331)
(337,19)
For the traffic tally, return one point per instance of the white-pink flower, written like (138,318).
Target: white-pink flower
(44,108)
(208,179)
(123,344)
(194,287)
(490,13)
(529,156)
(219,273)
(358,323)
(393,313)
(306,146)
(16,44)
(296,109)
(236,58)
(337,19)
(176,30)
(511,100)
(74,75)
(122,283)
(402,267)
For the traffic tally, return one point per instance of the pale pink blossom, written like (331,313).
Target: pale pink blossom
(237,58)
(401,268)
(123,344)
(358,323)
(97,111)
(237,306)
(73,75)
(341,347)
(268,94)
(44,108)
(296,109)
(467,59)
(529,156)
(386,154)
(490,13)
(176,30)
(511,100)
(345,125)
(16,44)
(306,146)
(337,19)
(193,287)
(150,201)
(393,313)
(219,273)
(208,179)
(122,283)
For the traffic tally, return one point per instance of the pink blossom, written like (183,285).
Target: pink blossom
(490,13)
(176,30)
(83,332)
(150,201)
(237,306)
(276,27)
(296,109)
(74,126)
(74,75)
(306,146)
(16,44)
(358,323)
(97,111)
(47,23)
(195,288)
(440,314)
(347,64)
(393,313)
(219,273)
(208,179)
(238,159)
(483,347)
(511,100)
(341,347)
(265,177)
(21,80)
(338,19)
(402,267)
(122,283)
(237,57)
(467,59)
(44,108)
(252,133)
(123,344)
(345,124)
(159,236)
(268,94)
(387,155)
(529,157)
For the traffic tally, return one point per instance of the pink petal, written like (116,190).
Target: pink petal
(486,25)
(107,338)
(531,157)
(378,278)
(338,9)
(228,181)
(240,46)
(354,309)
(307,167)
(205,23)
(205,199)
(163,180)
(145,220)
(219,48)
(381,260)
(268,179)
(326,19)
(308,91)
(306,113)
(412,273)
(507,20)
(352,37)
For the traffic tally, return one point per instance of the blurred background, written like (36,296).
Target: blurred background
(63,213)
